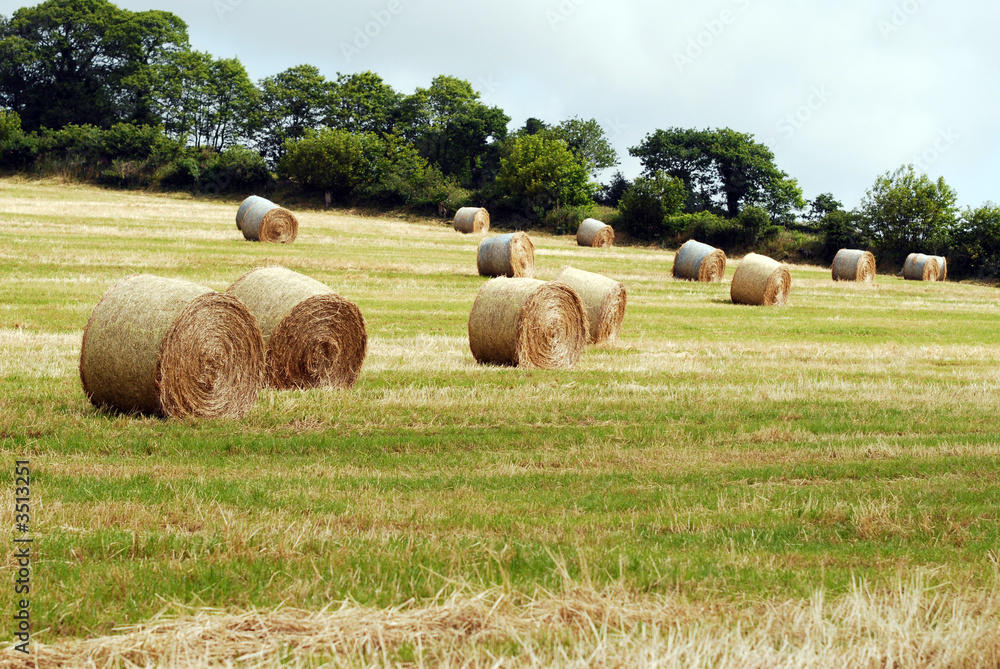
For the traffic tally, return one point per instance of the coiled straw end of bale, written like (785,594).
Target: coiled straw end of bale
(265,221)
(511,255)
(699,262)
(604,299)
(920,267)
(853,265)
(761,281)
(595,233)
(470,220)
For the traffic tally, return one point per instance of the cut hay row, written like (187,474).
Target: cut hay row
(853,265)
(173,348)
(603,298)
(699,262)
(264,221)
(920,267)
(511,255)
(595,234)
(527,323)
(314,336)
(472,220)
(761,281)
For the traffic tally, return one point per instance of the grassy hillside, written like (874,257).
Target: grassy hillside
(717,464)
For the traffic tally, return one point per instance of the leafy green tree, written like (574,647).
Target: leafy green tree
(648,204)
(587,141)
(781,200)
(840,231)
(363,102)
(338,162)
(533,126)
(976,242)
(822,205)
(611,193)
(83,62)
(540,174)
(904,212)
(291,102)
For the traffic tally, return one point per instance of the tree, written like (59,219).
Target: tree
(587,141)
(339,162)
(648,203)
(904,212)
(976,242)
(822,205)
(611,193)
(541,174)
(292,102)
(363,103)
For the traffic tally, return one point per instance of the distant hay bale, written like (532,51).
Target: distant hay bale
(761,281)
(511,255)
(699,262)
(595,234)
(173,348)
(245,207)
(920,267)
(264,221)
(472,220)
(603,298)
(314,337)
(527,323)
(942,267)
(853,265)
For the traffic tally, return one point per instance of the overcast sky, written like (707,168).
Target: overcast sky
(841,90)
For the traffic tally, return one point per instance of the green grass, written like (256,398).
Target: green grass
(733,455)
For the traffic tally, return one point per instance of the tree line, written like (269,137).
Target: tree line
(122,98)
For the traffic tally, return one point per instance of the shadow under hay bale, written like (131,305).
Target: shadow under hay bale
(264,221)
(469,220)
(595,234)
(603,298)
(853,265)
(173,348)
(920,267)
(245,207)
(527,323)
(314,337)
(699,262)
(511,255)
(761,281)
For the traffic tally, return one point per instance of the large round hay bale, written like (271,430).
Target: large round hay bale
(314,337)
(511,255)
(173,348)
(699,262)
(853,265)
(942,267)
(472,220)
(595,233)
(264,221)
(527,323)
(920,267)
(762,281)
(245,207)
(603,298)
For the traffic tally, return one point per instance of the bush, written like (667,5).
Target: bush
(648,206)
(237,169)
(611,193)
(124,174)
(339,162)
(711,229)
(125,141)
(539,174)
(756,225)
(976,243)
(405,178)
(182,173)
(17,150)
(839,230)
(566,220)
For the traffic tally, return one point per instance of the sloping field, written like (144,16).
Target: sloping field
(812,485)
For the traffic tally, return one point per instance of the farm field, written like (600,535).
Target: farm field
(811,485)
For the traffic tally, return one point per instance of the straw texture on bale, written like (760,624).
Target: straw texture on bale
(472,220)
(699,262)
(942,267)
(511,255)
(853,265)
(603,298)
(173,348)
(595,233)
(920,267)
(761,281)
(314,337)
(528,323)
(245,207)
(264,221)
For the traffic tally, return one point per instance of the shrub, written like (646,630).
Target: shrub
(539,174)
(182,173)
(649,204)
(340,162)
(237,169)
(756,224)
(566,220)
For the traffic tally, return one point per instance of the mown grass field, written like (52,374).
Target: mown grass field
(724,485)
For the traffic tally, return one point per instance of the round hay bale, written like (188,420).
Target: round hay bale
(942,267)
(173,348)
(511,255)
(527,323)
(853,265)
(699,262)
(761,281)
(472,220)
(314,337)
(264,221)
(603,298)
(245,207)
(595,234)
(920,267)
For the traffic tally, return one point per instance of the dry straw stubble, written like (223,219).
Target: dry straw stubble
(603,298)
(470,220)
(314,336)
(920,267)
(699,262)
(171,347)
(528,323)
(264,221)
(595,233)
(853,265)
(511,255)
(761,281)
